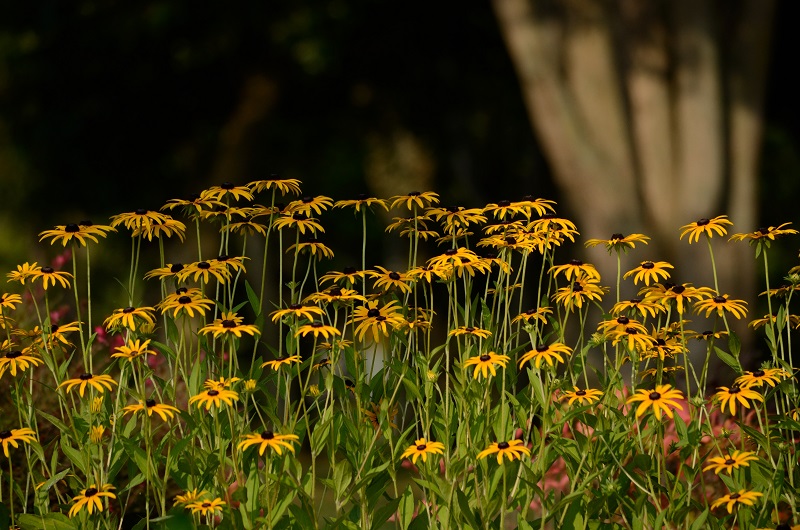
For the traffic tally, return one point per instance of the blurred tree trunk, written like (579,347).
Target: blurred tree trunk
(649,112)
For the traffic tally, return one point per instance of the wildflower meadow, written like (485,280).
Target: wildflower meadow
(482,379)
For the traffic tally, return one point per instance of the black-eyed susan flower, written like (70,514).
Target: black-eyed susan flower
(412,226)
(189,497)
(348,276)
(206,508)
(459,260)
(506,209)
(297,311)
(770,376)
(429,273)
(709,227)
(195,204)
(276,442)
(312,246)
(221,383)
(422,448)
(50,276)
(632,338)
(10,301)
(91,499)
(764,234)
(78,233)
(721,304)
(17,361)
(454,218)
(170,270)
(546,353)
(664,347)
(531,204)
(205,270)
(214,398)
(748,498)
(620,323)
(470,331)
(386,280)
(415,198)
(362,201)
(379,321)
(590,395)
(677,294)
(101,383)
(730,396)
(335,294)
(282,361)
(373,415)
(486,363)
(185,305)
(138,219)
(134,349)
(638,305)
(575,269)
(308,204)
(512,449)
(579,292)
(318,329)
(648,271)
(96,433)
(14,437)
(731,461)
(619,242)
(151,406)
(534,314)
(228,189)
(706,335)
(246,226)
(230,324)
(665,370)
(162,228)
(130,317)
(661,400)
(275,183)
(24,272)
(299,221)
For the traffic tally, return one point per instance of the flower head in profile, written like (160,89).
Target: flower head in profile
(282,361)
(276,442)
(590,395)
(275,183)
(78,233)
(709,227)
(619,242)
(14,437)
(312,246)
(206,508)
(486,363)
(190,496)
(150,407)
(17,361)
(317,329)
(748,498)
(736,394)
(130,317)
(230,324)
(349,276)
(308,204)
(661,400)
(638,305)
(730,461)
(770,376)
(648,271)
(133,349)
(296,312)
(195,204)
(505,209)
(721,304)
(414,199)
(764,234)
(204,271)
(101,383)
(91,499)
(422,448)
(512,449)
(362,201)
(24,272)
(214,398)
(138,220)
(50,276)
(546,353)
(228,190)
(534,314)
(575,269)
(578,293)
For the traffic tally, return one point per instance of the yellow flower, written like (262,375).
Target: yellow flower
(313,246)
(96,434)
(317,328)
(206,508)
(14,436)
(539,314)
(228,189)
(91,498)
(590,395)
(17,360)
(732,499)
(185,304)
(138,220)
(576,269)
(721,304)
(415,198)
(709,227)
(730,461)
(190,497)
(579,292)
(283,185)
(307,204)
(76,232)
(764,233)
(386,280)
(486,363)
(546,353)
(129,316)
(151,406)
(729,396)
(297,311)
(23,272)
(648,271)
(360,201)
(619,242)
(277,363)
(50,276)
(230,323)
(269,439)
(422,448)
(134,349)
(205,270)
(512,449)
(214,398)
(471,332)
(771,376)
(660,399)
(98,382)
(380,321)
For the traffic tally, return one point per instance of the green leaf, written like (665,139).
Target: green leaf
(728,359)
(50,521)
(466,511)
(253,298)
(74,456)
(383,513)
(406,508)
(700,521)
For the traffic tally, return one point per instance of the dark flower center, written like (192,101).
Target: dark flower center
(228,324)
(469,329)
(719,299)
(184,300)
(362,197)
(85,222)
(5,434)
(13,354)
(393,275)
(635,301)
(575,262)
(316,324)
(223,257)
(140,211)
(485,358)
(734,495)
(54,328)
(763,231)
(453,209)
(299,217)
(414,194)
(504,203)
(213,393)
(267,435)
(206,505)
(48,270)
(336,291)
(576,287)
(150,403)
(380,318)
(661,342)
(227,186)
(580,393)
(72,228)
(623,320)
(730,462)
(759,373)
(531,311)
(349,270)
(734,389)
(678,289)
(503,446)
(703,222)
(181,290)
(128,310)
(85,377)
(204,265)
(307,199)
(541,348)
(372,313)
(631,331)
(654,396)
(177,267)
(707,333)
(193,197)
(511,240)
(450,252)
(91,492)
(648,265)
(421,447)
(295,307)
(617,237)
